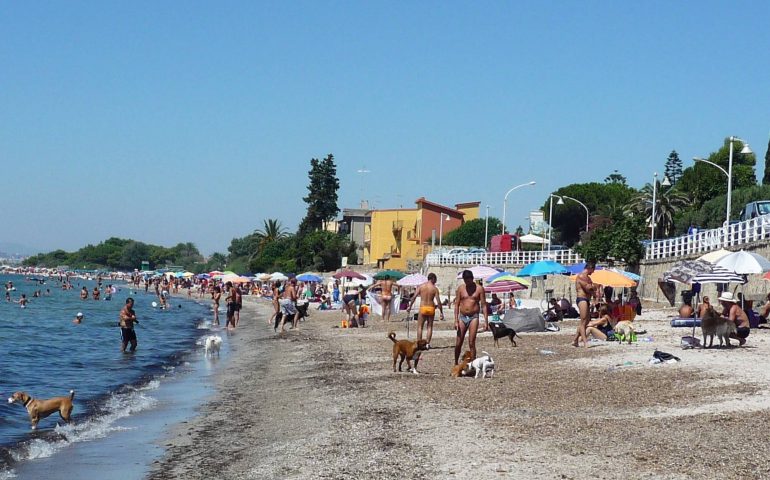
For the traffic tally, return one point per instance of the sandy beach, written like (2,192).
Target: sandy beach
(322,402)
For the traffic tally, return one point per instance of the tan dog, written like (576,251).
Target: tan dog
(463,369)
(38,409)
(407,349)
(625,328)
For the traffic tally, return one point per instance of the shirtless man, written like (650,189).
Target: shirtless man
(585,289)
(703,307)
(428,294)
(127,321)
(386,297)
(96,293)
(469,301)
(84,293)
(735,314)
(288,303)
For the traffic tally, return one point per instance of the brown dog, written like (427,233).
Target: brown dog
(38,409)
(462,369)
(407,349)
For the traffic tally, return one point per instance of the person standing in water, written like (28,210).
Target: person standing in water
(127,321)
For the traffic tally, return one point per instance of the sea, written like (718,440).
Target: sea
(124,402)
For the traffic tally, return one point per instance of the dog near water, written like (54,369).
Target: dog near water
(484,365)
(499,330)
(712,324)
(211,345)
(39,409)
(463,369)
(408,350)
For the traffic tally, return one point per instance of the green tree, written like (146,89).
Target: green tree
(766,176)
(322,194)
(673,167)
(569,220)
(668,203)
(471,233)
(271,231)
(614,239)
(615,177)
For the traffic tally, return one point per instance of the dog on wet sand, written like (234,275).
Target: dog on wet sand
(712,324)
(39,409)
(484,365)
(211,345)
(463,369)
(406,349)
(499,330)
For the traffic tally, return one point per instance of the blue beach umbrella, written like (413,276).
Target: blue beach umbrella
(579,267)
(541,268)
(308,277)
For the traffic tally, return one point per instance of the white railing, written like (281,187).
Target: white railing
(565,257)
(708,240)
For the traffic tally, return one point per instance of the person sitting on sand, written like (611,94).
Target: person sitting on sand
(764,310)
(703,307)
(601,327)
(686,311)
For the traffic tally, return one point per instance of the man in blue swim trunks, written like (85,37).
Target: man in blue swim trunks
(469,302)
(585,290)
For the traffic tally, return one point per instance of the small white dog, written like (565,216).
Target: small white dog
(211,345)
(484,365)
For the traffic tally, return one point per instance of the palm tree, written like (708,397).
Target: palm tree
(668,203)
(272,231)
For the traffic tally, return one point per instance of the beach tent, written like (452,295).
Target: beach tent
(524,320)
(531,238)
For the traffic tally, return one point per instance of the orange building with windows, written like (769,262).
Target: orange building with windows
(400,238)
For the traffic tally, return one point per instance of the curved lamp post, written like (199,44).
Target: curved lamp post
(550,218)
(582,204)
(664,183)
(505,200)
(729,172)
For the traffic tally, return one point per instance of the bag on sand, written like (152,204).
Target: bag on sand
(664,356)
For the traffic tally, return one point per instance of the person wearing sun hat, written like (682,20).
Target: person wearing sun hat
(735,314)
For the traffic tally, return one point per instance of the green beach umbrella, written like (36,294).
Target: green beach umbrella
(389,274)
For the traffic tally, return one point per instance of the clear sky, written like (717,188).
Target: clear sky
(170,122)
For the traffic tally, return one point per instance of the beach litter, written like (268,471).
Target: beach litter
(663,357)
(547,352)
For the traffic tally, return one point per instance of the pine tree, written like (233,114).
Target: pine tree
(322,194)
(766,177)
(673,167)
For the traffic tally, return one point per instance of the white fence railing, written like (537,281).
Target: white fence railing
(708,240)
(565,257)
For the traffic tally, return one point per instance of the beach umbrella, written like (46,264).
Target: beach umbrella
(188,274)
(579,267)
(541,268)
(480,272)
(413,280)
(507,277)
(683,271)
(715,256)
(229,272)
(609,278)
(215,273)
(347,273)
(505,286)
(745,262)
(309,277)
(278,277)
(389,274)
(626,274)
(231,278)
(719,274)
(265,277)
(365,281)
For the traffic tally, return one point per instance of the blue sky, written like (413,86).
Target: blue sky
(170,122)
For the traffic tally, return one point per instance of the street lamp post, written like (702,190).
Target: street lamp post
(665,183)
(729,172)
(441,228)
(550,218)
(505,200)
(486,229)
(582,204)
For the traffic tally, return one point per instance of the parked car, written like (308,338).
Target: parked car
(755,209)
(453,253)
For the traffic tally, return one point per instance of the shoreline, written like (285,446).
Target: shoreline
(323,403)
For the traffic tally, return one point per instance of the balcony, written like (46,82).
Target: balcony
(395,251)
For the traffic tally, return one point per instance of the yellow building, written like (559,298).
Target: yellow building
(399,239)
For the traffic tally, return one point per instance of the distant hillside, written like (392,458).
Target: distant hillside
(8,249)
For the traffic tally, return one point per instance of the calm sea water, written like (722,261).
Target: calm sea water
(46,355)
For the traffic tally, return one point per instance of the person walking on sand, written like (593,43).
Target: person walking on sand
(585,289)
(386,297)
(469,301)
(216,294)
(429,298)
(127,321)
(288,304)
(276,306)
(238,298)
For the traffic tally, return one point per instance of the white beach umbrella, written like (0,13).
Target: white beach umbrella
(715,256)
(278,277)
(745,262)
(413,280)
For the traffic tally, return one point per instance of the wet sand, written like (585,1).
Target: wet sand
(322,402)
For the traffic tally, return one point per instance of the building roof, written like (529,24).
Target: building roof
(356,212)
(422,202)
(467,205)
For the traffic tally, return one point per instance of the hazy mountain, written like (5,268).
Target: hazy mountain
(11,248)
